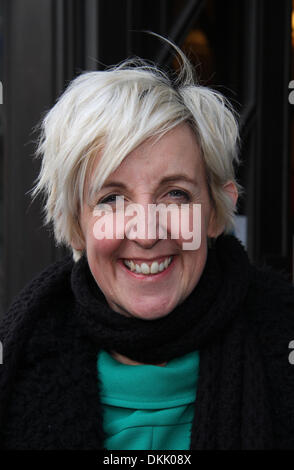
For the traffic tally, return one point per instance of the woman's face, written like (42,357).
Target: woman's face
(169,171)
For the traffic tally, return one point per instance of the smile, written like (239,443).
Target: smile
(152,267)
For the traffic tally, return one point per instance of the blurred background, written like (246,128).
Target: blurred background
(244,48)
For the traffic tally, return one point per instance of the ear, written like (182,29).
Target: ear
(232,191)
(77,245)
(77,242)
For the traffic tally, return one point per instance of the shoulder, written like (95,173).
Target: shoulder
(29,330)
(44,289)
(270,304)
(275,283)
(270,301)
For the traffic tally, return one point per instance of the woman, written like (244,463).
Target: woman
(140,340)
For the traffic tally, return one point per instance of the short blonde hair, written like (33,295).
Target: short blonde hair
(114,111)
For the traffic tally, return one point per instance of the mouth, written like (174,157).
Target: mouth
(146,268)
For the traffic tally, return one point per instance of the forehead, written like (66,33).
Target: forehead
(177,151)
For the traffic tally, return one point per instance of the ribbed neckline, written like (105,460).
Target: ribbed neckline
(148,386)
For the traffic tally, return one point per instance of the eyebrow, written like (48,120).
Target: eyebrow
(180,177)
(166,179)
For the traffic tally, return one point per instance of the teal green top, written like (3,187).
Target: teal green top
(148,407)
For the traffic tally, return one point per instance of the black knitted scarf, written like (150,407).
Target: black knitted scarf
(49,392)
(231,410)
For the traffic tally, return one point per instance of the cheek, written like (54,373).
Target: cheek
(188,226)
(104,248)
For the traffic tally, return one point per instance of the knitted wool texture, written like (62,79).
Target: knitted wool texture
(239,318)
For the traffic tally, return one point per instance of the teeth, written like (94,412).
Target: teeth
(161,267)
(145,269)
(154,267)
(138,269)
(132,266)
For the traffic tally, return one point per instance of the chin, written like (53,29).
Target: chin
(149,316)
(149,311)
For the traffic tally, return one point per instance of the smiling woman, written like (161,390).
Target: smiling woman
(140,178)
(84,340)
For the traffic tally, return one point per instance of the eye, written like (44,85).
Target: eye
(179,194)
(110,199)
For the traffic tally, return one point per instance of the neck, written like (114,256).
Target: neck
(126,360)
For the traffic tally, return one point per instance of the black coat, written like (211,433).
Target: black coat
(49,393)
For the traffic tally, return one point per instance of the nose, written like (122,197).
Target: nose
(145,243)
(141,226)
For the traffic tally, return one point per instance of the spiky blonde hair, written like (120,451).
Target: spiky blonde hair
(114,111)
